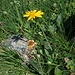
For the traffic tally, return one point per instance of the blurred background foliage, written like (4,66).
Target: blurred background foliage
(58,25)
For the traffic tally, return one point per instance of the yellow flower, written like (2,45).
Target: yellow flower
(32,14)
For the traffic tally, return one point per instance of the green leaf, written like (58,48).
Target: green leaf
(46,52)
(57,71)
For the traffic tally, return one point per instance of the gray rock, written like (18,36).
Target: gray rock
(17,43)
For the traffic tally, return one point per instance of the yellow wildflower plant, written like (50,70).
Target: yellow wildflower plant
(32,14)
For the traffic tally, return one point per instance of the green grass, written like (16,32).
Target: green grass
(53,45)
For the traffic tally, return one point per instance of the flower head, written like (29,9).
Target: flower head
(31,44)
(32,14)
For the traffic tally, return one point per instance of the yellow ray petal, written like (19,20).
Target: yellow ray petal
(39,16)
(29,18)
(40,12)
(25,15)
(34,10)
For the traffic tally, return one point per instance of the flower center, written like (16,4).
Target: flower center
(32,14)
(30,43)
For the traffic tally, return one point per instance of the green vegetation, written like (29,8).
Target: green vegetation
(55,51)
